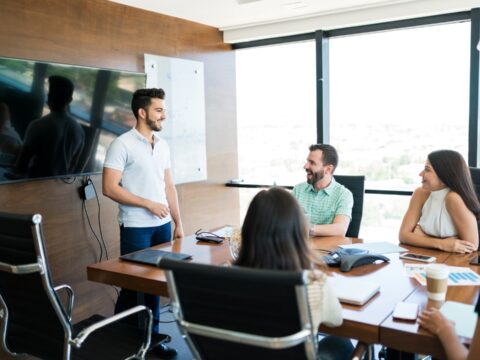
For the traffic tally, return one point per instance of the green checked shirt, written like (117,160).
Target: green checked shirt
(322,206)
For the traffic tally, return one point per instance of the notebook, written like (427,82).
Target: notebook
(354,291)
(151,256)
(463,315)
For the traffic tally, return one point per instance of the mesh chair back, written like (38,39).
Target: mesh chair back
(475,173)
(356,184)
(250,301)
(36,323)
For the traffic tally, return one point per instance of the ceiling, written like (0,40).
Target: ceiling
(244,20)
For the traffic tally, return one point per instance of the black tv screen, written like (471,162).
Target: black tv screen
(100,106)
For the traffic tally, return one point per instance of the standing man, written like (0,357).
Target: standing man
(327,203)
(137,175)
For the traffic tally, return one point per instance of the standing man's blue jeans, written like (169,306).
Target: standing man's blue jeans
(134,239)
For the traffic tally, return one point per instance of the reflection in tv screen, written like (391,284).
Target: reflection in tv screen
(47,130)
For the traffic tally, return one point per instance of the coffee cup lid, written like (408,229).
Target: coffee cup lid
(437,270)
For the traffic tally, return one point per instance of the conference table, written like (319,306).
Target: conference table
(371,323)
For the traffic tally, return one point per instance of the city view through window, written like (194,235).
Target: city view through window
(395,96)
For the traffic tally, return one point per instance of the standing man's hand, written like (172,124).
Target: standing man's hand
(178,232)
(158,209)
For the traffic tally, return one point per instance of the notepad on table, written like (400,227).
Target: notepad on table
(354,291)
(462,315)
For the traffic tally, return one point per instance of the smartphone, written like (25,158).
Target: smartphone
(405,311)
(475,260)
(418,257)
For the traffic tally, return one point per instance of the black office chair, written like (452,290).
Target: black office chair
(475,173)
(241,313)
(356,184)
(33,320)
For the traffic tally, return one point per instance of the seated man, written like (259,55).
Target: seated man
(327,203)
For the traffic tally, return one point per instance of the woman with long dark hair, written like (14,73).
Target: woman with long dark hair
(274,237)
(444,212)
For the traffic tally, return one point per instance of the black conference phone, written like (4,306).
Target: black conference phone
(348,259)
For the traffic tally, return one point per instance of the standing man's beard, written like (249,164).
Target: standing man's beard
(153,125)
(316,176)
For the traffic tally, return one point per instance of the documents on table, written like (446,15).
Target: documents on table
(380,247)
(458,276)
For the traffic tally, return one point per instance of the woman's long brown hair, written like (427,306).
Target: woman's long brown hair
(452,169)
(274,233)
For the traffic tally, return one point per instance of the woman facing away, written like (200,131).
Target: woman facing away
(444,212)
(274,237)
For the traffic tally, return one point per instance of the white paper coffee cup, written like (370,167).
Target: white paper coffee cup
(437,281)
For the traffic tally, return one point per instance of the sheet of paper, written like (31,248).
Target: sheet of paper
(458,276)
(462,315)
(381,247)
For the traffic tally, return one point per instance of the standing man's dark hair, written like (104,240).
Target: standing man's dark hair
(142,98)
(329,154)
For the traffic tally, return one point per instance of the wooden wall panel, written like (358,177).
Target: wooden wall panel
(100,33)
(70,244)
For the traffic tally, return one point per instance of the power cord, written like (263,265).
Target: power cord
(166,309)
(100,240)
(99,217)
(84,209)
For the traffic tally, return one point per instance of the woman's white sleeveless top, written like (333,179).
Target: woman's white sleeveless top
(435,220)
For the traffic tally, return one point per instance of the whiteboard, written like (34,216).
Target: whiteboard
(184,128)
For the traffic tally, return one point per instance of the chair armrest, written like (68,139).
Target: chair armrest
(82,336)
(360,350)
(71,298)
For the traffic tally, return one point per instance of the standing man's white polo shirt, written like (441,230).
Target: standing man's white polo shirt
(143,171)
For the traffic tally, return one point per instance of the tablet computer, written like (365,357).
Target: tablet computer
(151,256)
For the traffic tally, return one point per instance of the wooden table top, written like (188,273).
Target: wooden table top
(150,279)
(407,335)
(370,323)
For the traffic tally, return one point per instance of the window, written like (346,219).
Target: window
(395,96)
(276,111)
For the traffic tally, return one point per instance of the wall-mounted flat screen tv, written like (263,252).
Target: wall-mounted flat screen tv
(100,106)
